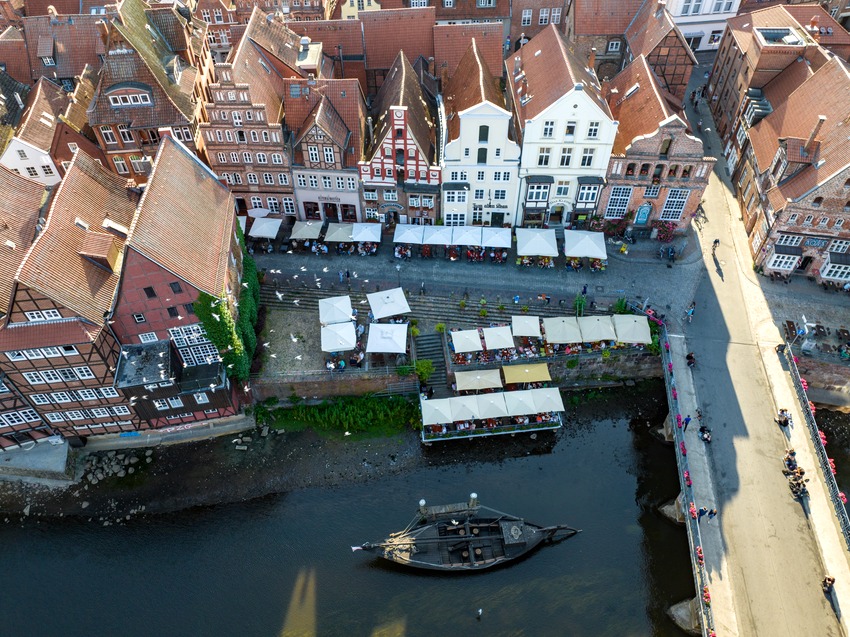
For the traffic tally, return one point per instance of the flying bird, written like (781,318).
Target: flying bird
(296,301)
(325,269)
(303,268)
(273,355)
(216,316)
(298,358)
(279,295)
(292,338)
(266,344)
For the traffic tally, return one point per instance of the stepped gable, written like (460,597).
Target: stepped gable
(89,199)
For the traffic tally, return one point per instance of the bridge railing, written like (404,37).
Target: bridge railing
(820,451)
(691,518)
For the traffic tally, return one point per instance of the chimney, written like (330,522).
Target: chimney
(517,65)
(659,10)
(305,44)
(591,61)
(815,131)
(813,23)
(103,32)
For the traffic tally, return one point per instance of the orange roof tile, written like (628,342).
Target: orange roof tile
(387,32)
(332,33)
(75,42)
(185,219)
(46,104)
(91,194)
(451,42)
(20,207)
(650,26)
(551,70)
(13,53)
(47,334)
(470,10)
(604,17)
(63,7)
(471,85)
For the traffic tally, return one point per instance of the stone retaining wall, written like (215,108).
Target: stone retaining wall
(338,385)
(823,374)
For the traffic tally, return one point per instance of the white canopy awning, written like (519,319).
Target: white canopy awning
(464,408)
(466,341)
(306,230)
(339,337)
(520,403)
(631,328)
(496,237)
(242,221)
(581,243)
(265,228)
(258,212)
(547,399)
(408,233)
(498,337)
(436,412)
(437,235)
(388,303)
(335,309)
(481,379)
(387,338)
(596,328)
(366,232)
(534,242)
(466,236)
(526,325)
(562,329)
(338,232)
(492,405)
(514,374)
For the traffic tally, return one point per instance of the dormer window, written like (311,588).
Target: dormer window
(130,99)
(48,61)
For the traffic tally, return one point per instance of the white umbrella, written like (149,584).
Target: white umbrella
(520,403)
(631,328)
(466,341)
(436,412)
(306,230)
(498,337)
(547,399)
(464,408)
(466,236)
(496,237)
(526,326)
(562,329)
(437,235)
(338,232)
(581,243)
(335,309)
(481,379)
(491,405)
(366,232)
(408,233)
(339,337)
(596,328)
(242,222)
(258,212)
(388,303)
(265,228)
(533,242)
(387,338)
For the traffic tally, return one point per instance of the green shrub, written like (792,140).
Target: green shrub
(462,304)
(482,312)
(501,307)
(414,331)
(524,309)
(424,368)
(572,363)
(606,353)
(621,306)
(404,370)
(440,328)
(579,304)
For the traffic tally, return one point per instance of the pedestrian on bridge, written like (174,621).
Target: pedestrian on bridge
(712,514)
(686,422)
(702,511)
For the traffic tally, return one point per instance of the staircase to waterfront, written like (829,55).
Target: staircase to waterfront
(430,347)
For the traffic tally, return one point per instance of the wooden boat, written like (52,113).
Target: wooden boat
(463,537)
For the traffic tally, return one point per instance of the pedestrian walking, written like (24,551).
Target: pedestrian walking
(584,290)
(699,126)
(712,514)
(703,511)
(689,313)
(699,415)
(348,276)
(561,302)
(516,300)
(714,246)
(686,422)
(341,276)
(548,298)
(693,96)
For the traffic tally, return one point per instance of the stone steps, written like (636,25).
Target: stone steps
(430,346)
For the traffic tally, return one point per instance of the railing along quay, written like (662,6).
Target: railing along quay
(820,451)
(691,517)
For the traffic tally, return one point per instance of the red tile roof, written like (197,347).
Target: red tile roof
(75,42)
(13,53)
(551,70)
(797,116)
(473,84)
(469,10)
(63,7)
(185,219)
(650,26)
(46,104)
(804,13)
(76,115)
(741,27)
(636,102)
(604,17)
(451,42)
(20,207)
(47,334)
(91,193)
(324,116)
(389,31)
(333,33)
(11,109)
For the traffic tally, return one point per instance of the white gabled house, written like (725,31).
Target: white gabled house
(565,128)
(480,157)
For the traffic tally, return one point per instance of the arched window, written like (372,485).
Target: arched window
(673,171)
(847,207)
(818,202)
(630,169)
(644,170)
(686,172)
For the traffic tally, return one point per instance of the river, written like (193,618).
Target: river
(282,564)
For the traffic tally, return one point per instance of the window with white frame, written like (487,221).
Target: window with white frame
(836,272)
(256,202)
(16,355)
(288,205)
(479,194)
(587,193)
(160,404)
(268,179)
(808,220)
(340,183)
(273,205)
(544,17)
(789,240)
(454,218)
(330,156)
(40,399)
(351,182)
(675,204)
(614,46)
(783,262)
(313,180)
(326,182)
(108,392)
(543,156)
(500,195)
(261,158)
(823,222)
(839,245)
(455,196)
(120,165)
(562,189)
(566,157)
(618,202)
(125,133)
(549,128)
(313,153)
(390,195)
(51,376)
(593,130)
(526,17)
(83,373)
(537,192)
(587,157)
(651,192)
(34,378)
(201,398)
(556,15)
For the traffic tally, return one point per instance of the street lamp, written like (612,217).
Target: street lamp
(398,269)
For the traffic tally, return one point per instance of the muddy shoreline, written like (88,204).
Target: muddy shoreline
(213,472)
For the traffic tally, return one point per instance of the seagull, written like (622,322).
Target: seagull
(319,285)
(347,433)
(303,268)
(292,338)
(161,354)
(363,301)
(271,331)
(266,344)
(279,295)
(179,318)
(110,322)
(325,269)
(230,366)
(273,355)
(212,386)
(289,252)
(354,275)
(296,301)
(246,388)
(298,358)
(480,612)
(245,285)
(216,316)
(295,276)
(365,280)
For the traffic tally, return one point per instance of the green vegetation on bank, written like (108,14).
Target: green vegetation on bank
(368,415)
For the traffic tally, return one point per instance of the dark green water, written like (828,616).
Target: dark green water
(282,565)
